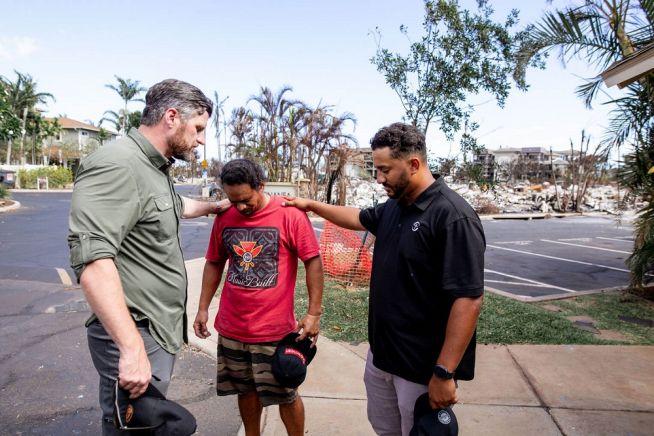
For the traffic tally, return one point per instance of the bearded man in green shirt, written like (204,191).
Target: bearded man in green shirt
(125,247)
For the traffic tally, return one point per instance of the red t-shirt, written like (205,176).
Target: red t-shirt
(256,304)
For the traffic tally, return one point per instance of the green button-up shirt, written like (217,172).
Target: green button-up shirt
(125,207)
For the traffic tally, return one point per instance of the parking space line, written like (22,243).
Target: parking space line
(533,285)
(586,246)
(615,239)
(575,240)
(64,277)
(559,258)
(529,281)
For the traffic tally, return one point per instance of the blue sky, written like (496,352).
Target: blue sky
(321,49)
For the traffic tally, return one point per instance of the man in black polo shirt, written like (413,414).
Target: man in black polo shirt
(427,281)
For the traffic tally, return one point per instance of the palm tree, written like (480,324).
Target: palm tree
(119,121)
(22,98)
(243,134)
(321,131)
(217,120)
(273,112)
(128,90)
(603,32)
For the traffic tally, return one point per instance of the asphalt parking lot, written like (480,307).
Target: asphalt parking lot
(546,258)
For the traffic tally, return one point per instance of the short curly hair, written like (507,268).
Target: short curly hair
(402,139)
(242,171)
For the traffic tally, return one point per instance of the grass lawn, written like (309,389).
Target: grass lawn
(502,320)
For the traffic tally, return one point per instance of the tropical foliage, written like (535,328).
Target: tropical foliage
(128,90)
(288,137)
(119,122)
(20,118)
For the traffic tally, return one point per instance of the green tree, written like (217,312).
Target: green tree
(9,122)
(22,99)
(602,32)
(461,53)
(128,90)
(121,123)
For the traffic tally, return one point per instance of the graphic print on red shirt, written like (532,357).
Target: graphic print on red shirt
(256,254)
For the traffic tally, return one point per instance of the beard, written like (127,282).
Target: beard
(180,148)
(396,190)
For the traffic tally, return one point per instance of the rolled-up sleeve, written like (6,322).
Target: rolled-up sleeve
(104,207)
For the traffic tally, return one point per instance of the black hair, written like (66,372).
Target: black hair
(242,171)
(402,139)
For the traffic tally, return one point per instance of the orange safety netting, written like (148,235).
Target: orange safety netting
(346,254)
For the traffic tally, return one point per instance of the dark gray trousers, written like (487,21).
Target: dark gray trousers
(105,355)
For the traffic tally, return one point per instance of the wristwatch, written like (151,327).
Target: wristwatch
(441,372)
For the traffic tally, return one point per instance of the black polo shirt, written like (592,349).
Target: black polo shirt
(426,255)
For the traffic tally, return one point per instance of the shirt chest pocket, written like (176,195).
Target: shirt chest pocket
(162,220)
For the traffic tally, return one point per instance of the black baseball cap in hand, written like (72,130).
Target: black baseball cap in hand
(433,422)
(289,363)
(151,411)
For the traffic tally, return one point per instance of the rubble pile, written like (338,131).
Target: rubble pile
(522,197)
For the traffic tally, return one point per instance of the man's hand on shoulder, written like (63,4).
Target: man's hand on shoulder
(298,202)
(222,206)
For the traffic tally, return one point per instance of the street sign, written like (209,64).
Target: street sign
(204,163)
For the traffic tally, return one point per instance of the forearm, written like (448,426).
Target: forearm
(195,208)
(460,328)
(104,292)
(211,277)
(342,216)
(315,283)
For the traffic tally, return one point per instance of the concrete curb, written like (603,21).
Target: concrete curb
(13,206)
(43,191)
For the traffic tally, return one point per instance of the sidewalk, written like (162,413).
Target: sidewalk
(518,389)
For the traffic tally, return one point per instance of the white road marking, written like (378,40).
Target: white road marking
(529,281)
(615,239)
(516,242)
(64,277)
(559,258)
(576,239)
(586,246)
(516,283)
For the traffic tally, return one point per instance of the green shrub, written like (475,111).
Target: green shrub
(58,177)
(4,192)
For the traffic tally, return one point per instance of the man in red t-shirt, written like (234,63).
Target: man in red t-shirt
(262,241)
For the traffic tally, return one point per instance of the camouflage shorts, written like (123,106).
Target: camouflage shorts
(244,367)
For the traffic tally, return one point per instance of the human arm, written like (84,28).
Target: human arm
(103,291)
(342,216)
(460,328)
(195,208)
(310,323)
(211,276)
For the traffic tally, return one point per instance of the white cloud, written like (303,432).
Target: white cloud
(12,47)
